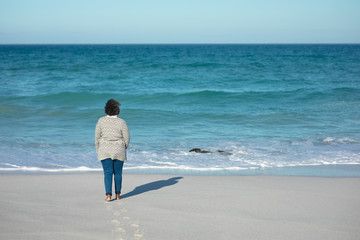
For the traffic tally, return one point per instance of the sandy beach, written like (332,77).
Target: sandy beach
(71,206)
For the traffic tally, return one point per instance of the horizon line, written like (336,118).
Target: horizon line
(180,43)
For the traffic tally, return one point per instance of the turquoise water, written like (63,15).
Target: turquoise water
(273,109)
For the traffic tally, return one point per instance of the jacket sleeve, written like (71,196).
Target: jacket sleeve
(97,136)
(126,134)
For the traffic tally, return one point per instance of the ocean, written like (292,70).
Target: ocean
(256,109)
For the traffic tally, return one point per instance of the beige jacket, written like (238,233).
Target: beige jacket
(111,138)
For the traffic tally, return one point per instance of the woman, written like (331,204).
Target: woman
(111,141)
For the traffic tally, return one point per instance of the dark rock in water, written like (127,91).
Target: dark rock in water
(198,150)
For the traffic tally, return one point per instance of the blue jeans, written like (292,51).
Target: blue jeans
(112,167)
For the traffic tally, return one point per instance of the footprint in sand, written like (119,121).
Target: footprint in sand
(138,234)
(121,222)
(116,222)
(119,229)
(135,224)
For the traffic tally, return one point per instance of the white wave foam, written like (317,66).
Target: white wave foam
(175,169)
(163,163)
(339,140)
(186,168)
(38,169)
(10,165)
(245,155)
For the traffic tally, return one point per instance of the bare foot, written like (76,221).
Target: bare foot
(117,196)
(108,198)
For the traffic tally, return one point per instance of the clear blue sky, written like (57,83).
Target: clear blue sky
(179,21)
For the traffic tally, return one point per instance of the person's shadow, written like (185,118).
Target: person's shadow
(152,186)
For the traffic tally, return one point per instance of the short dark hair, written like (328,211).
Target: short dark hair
(112,107)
